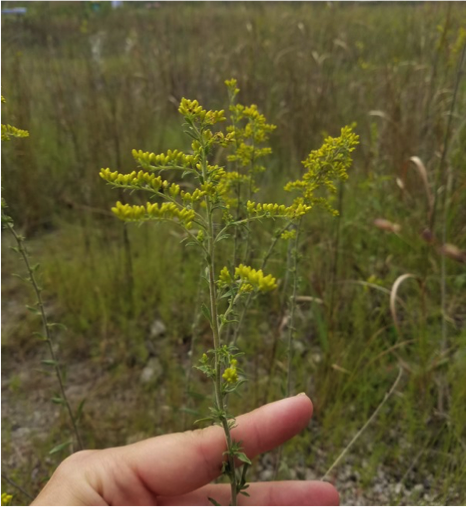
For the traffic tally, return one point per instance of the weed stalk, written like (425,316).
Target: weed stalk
(21,249)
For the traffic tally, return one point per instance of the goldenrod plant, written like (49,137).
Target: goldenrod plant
(324,167)
(210,203)
(196,213)
(38,309)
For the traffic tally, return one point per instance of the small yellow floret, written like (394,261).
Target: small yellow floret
(6,498)
(230,375)
(224,277)
(289,234)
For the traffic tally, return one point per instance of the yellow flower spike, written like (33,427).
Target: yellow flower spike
(232,86)
(252,279)
(230,375)
(174,189)
(325,166)
(250,206)
(225,277)
(289,234)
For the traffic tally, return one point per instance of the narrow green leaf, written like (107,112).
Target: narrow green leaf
(60,447)
(58,401)
(79,411)
(33,310)
(222,237)
(204,420)
(213,501)
(57,324)
(26,280)
(49,362)
(227,294)
(206,313)
(40,336)
(243,457)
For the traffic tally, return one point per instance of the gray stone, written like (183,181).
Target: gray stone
(266,475)
(157,329)
(152,372)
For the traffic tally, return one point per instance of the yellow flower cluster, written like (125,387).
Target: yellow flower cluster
(6,498)
(248,138)
(192,110)
(230,374)
(194,197)
(289,234)
(9,131)
(140,179)
(227,180)
(236,177)
(245,154)
(224,277)
(255,279)
(232,86)
(325,165)
(173,158)
(296,210)
(256,129)
(164,211)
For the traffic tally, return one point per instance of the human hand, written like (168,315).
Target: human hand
(176,469)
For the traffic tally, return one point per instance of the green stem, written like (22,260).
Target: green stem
(229,310)
(293,306)
(235,250)
(250,295)
(45,325)
(291,328)
(216,339)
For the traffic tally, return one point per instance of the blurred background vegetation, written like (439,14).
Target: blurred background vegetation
(90,83)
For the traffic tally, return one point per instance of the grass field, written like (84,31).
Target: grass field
(90,84)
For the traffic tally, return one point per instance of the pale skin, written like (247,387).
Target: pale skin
(177,469)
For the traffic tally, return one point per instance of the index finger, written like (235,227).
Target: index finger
(182,462)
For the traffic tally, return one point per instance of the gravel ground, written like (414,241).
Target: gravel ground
(28,422)
(28,415)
